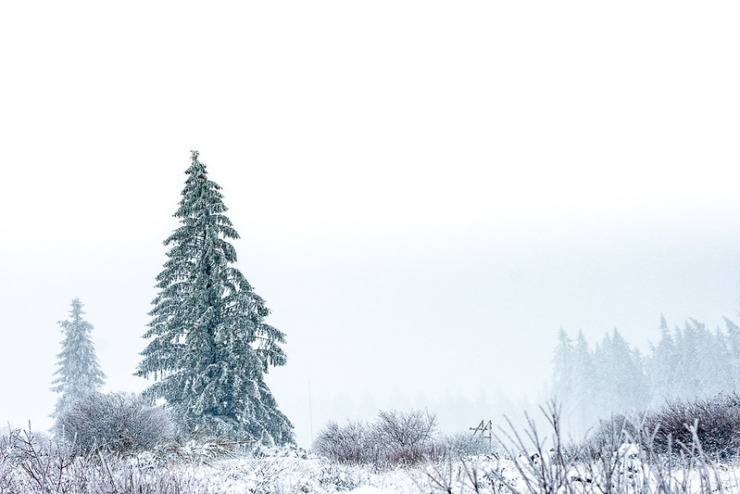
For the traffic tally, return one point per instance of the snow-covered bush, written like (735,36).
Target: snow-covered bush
(117,422)
(717,423)
(462,444)
(348,444)
(405,438)
(395,438)
(531,462)
(713,423)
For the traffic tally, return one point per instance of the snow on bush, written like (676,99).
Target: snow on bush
(395,438)
(530,462)
(117,422)
(713,423)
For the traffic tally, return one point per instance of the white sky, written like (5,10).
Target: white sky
(426,191)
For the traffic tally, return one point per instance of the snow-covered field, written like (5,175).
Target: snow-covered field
(198,470)
(289,473)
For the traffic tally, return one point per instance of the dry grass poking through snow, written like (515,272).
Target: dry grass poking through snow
(533,463)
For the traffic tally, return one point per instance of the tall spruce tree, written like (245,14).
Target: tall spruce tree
(629,387)
(210,348)
(78,373)
(584,384)
(662,366)
(733,343)
(562,376)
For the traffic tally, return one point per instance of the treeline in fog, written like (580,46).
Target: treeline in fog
(594,381)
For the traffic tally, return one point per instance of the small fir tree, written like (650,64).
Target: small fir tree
(78,372)
(210,347)
(662,366)
(690,373)
(717,354)
(584,390)
(562,376)
(733,344)
(629,385)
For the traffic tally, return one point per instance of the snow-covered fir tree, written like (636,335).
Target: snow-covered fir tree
(690,373)
(562,375)
(584,389)
(661,367)
(733,347)
(573,382)
(210,347)
(626,385)
(720,375)
(78,371)
(685,364)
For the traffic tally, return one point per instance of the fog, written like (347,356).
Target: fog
(425,192)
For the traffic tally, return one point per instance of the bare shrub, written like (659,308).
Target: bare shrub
(119,422)
(619,458)
(717,425)
(405,430)
(405,438)
(348,444)
(714,423)
(462,445)
(608,436)
(395,438)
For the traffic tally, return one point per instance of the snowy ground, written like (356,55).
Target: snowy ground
(487,474)
(201,469)
(310,474)
(296,472)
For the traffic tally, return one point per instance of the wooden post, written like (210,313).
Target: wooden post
(485,429)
